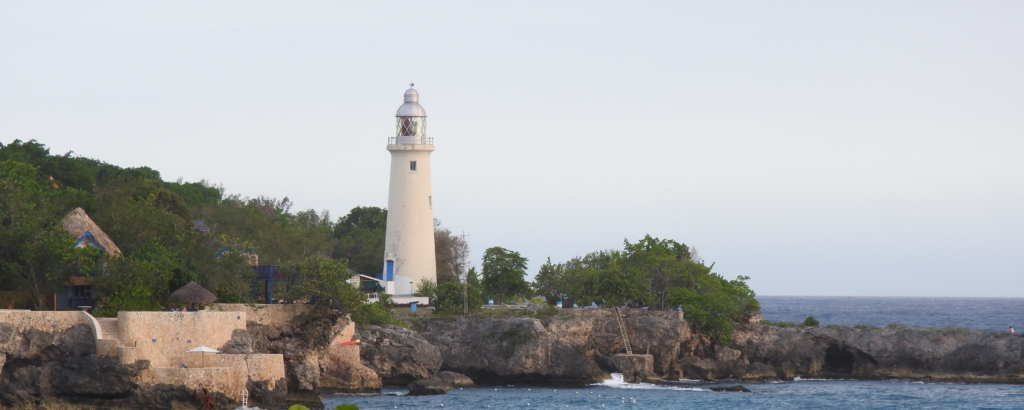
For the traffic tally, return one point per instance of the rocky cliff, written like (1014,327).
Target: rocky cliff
(844,352)
(571,348)
(582,346)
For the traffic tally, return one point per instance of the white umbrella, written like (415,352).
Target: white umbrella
(204,350)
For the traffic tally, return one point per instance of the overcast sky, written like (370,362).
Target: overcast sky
(821,148)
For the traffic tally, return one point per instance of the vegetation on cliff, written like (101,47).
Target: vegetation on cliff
(150,220)
(660,274)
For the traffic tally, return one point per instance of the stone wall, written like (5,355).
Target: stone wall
(46,321)
(267,315)
(164,337)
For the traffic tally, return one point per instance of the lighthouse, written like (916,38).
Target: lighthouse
(409,241)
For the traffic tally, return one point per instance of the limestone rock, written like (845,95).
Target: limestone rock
(634,368)
(725,354)
(431,386)
(342,371)
(737,388)
(704,369)
(954,354)
(456,379)
(759,371)
(240,343)
(397,354)
(569,348)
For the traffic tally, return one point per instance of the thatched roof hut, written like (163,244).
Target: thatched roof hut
(78,224)
(193,293)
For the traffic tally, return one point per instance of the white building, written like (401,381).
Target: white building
(409,242)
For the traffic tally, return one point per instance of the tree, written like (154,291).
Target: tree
(664,262)
(451,253)
(360,239)
(714,304)
(551,282)
(426,288)
(606,279)
(36,255)
(325,281)
(450,298)
(504,273)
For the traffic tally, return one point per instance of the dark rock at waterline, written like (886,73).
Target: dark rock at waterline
(844,352)
(398,355)
(633,367)
(736,388)
(428,387)
(455,379)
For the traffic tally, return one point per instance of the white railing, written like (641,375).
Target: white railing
(407,140)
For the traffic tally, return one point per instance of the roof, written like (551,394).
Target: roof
(411,107)
(200,226)
(193,293)
(364,278)
(82,228)
(371,286)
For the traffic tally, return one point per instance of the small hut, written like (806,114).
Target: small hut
(78,290)
(86,233)
(192,293)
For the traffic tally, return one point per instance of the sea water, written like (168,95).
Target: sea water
(800,394)
(993,314)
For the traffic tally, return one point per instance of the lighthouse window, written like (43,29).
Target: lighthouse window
(412,165)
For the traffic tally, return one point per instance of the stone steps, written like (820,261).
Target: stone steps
(108,328)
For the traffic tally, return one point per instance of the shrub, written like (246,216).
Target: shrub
(811,321)
(450,298)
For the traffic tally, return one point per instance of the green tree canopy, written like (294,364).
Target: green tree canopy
(659,274)
(36,254)
(360,239)
(504,274)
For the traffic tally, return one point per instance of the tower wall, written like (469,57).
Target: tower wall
(409,239)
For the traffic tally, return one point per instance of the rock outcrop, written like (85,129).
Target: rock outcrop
(884,353)
(439,384)
(635,368)
(398,355)
(429,387)
(738,388)
(311,369)
(456,379)
(570,348)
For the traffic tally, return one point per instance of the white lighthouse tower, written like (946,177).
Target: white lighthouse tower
(409,242)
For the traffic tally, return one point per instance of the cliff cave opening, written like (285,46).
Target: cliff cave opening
(844,359)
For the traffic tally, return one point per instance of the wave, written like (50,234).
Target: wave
(617,382)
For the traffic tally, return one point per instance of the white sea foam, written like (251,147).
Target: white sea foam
(617,382)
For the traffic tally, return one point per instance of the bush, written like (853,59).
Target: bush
(377,313)
(450,300)
(811,321)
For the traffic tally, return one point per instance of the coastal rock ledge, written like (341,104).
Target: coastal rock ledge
(871,353)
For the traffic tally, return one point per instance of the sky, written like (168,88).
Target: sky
(844,148)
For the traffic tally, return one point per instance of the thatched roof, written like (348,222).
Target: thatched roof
(78,224)
(193,293)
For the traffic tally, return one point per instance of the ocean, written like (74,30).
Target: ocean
(993,314)
(800,394)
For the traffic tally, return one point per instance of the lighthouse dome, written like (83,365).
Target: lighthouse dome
(412,107)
